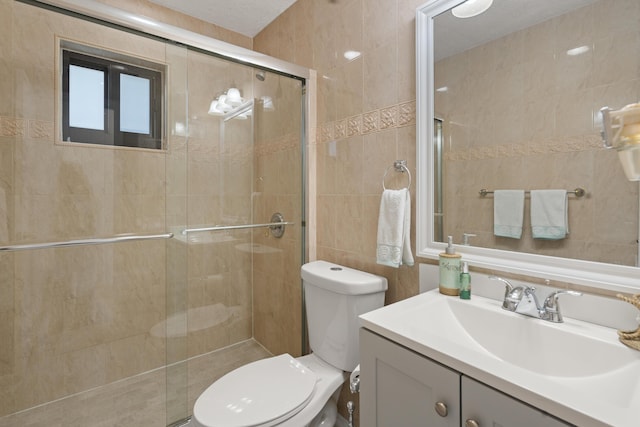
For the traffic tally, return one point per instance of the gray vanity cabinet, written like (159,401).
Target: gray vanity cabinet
(484,406)
(399,387)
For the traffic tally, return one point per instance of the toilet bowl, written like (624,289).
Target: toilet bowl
(278,391)
(297,392)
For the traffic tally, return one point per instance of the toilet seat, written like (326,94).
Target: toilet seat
(262,393)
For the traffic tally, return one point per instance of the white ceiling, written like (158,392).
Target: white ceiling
(247,17)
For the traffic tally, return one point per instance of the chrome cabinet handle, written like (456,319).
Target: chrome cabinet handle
(441,409)
(471,423)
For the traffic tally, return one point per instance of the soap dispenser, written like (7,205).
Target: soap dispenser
(450,270)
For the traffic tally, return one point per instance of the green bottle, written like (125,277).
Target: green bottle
(465,282)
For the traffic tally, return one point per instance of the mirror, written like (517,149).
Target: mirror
(510,99)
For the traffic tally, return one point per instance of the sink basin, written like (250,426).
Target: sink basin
(575,370)
(562,350)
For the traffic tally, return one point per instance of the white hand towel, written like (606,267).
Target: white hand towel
(549,214)
(508,213)
(394,227)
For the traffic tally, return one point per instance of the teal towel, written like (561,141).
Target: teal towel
(508,212)
(549,214)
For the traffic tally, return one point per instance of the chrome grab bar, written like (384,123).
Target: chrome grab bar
(234,227)
(80,242)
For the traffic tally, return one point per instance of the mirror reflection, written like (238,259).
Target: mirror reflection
(517,96)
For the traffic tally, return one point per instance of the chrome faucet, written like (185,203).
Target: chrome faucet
(523,300)
(551,308)
(529,305)
(512,294)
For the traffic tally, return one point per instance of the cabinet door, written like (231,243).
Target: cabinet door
(401,388)
(490,408)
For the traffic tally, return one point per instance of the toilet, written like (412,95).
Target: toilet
(296,392)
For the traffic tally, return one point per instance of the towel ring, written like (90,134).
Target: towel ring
(399,166)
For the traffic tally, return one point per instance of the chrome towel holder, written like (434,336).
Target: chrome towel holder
(398,166)
(578,192)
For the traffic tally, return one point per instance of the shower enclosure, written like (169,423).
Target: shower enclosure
(131,278)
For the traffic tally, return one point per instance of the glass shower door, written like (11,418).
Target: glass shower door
(124,331)
(241,299)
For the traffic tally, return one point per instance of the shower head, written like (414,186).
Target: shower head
(260,75)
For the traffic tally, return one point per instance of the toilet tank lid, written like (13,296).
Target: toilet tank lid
(342,280)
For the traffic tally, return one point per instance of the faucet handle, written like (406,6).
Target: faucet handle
(551,306)
(508,285)
(512,295)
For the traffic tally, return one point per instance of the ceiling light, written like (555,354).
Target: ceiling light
(233,97)
(471,8)
(214,110)
(225,102)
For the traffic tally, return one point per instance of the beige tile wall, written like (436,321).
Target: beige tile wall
(524,114)
(73,318)
(277,293)
(366,116)
(78,318)
(365,121)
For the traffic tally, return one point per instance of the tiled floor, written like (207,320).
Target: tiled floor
(140,400)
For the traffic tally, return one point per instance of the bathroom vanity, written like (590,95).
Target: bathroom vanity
(412,390)
(441,361)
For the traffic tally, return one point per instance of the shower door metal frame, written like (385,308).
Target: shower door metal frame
(112,16)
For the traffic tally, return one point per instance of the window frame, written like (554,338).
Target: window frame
(112,135)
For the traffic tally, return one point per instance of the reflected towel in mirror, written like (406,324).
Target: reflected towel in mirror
(394,227)
(508,213)
(549,214)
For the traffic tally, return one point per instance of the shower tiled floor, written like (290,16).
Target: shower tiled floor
(137,401)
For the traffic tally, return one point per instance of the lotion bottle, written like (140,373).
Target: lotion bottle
(449,270)
(465,282)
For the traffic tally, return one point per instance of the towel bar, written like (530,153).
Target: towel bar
(578,192)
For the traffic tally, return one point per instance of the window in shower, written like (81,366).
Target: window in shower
(108,100)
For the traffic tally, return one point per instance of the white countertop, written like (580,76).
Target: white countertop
(610,397)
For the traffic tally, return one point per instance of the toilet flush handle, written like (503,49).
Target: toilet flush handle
(354,380)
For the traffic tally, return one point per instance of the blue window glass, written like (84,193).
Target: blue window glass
(86,98)
(135,109)
(111,102)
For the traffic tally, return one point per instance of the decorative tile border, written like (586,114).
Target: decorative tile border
(41,129)
(404,114)
(340,129)
(389,117)
(407,114)
(370,121)
(10,126)
(36,129)
(554,145)
(393,116)
(354,125)
(325,132)
(288,141)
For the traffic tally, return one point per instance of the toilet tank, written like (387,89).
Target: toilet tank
(334,298)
